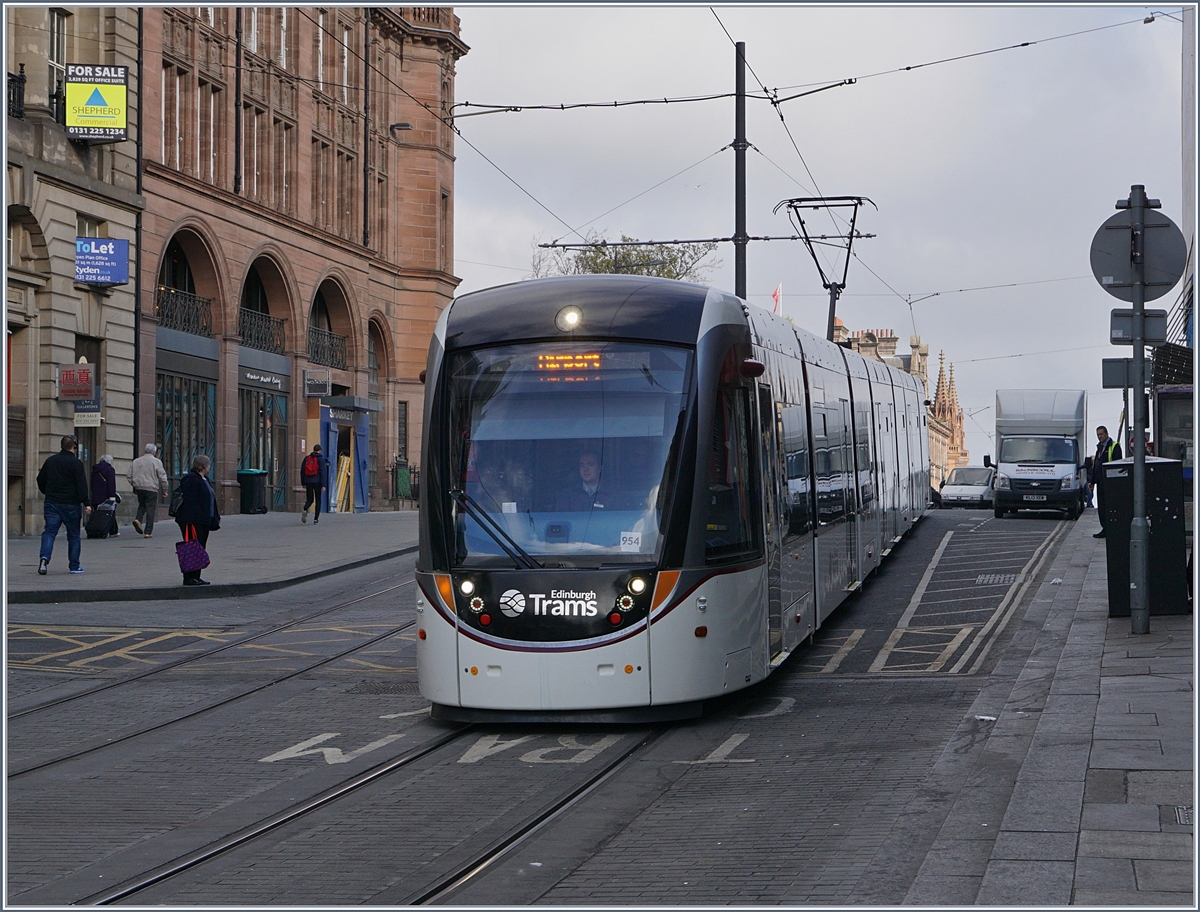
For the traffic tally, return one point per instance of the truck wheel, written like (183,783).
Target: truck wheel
(1073,510)
(1000,511)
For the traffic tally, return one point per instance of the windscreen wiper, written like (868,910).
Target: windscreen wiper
(515,552)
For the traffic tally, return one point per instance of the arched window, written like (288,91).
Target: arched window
(254,296)
(176,272)
(319,319)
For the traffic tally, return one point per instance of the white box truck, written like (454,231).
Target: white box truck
(1040,446)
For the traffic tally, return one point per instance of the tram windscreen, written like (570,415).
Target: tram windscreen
(564,450)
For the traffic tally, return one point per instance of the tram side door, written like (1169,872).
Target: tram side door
(771,460)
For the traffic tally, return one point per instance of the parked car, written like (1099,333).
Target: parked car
(969,486)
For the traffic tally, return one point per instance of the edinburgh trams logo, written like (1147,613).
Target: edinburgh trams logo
(559,603)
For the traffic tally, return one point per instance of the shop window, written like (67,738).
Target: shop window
(185,421)
(402,432)
(262,433)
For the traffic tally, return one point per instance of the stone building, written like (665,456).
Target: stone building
(296,181)
(299,178)
(946,419)
(60,190)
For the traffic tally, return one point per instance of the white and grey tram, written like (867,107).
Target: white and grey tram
(641,493)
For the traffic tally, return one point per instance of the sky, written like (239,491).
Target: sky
(991,174)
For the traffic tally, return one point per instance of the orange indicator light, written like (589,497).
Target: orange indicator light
(421,634)
(628,669)
(474,670)
(701,632)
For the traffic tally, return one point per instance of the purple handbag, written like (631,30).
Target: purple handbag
(190,552)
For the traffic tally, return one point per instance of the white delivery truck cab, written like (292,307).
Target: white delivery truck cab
(1040,443)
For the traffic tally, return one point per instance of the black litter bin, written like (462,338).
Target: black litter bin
(1166,560)
(254,490)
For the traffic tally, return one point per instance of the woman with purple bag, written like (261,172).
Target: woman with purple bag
(197,516)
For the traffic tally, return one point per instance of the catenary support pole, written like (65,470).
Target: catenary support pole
(740,239)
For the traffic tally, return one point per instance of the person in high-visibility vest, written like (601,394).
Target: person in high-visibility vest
(1107,450)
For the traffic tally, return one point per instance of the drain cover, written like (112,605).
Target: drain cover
(406,688)
(995,579)
(1183,815)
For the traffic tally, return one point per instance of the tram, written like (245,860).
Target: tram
(640,494)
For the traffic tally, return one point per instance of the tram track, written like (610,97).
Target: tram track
(223,702)
(195,657)
(256,830)
(445,885)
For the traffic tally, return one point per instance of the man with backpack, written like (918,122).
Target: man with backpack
(314,475)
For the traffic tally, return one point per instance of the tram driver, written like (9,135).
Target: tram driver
(588,493)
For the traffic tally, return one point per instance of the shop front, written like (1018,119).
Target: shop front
(345,427)
(263,383)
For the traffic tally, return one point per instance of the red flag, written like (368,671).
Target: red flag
(777,297)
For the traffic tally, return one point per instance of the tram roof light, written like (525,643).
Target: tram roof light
(569,318)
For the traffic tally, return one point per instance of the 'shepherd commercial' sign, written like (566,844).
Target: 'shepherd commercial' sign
(102,261)
(97,102)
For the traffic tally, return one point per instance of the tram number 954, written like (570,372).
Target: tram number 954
(631,541)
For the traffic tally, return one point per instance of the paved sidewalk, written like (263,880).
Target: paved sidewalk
(1098,730)
(250,554)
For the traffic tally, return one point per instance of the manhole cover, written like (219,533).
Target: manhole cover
(406,688)
(995,579)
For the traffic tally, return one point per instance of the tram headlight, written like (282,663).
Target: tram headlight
(569,318)
(466,587)
(637,585)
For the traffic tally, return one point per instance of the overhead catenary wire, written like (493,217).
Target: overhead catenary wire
(996,50)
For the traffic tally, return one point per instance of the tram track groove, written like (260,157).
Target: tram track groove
(176,663)
(225,701)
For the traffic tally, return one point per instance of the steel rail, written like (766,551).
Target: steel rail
(468,872)
(225,701)
(246,834)
(100,688)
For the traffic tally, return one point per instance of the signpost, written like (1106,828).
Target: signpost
(1138,255)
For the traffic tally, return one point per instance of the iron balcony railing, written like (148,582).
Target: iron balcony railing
(185,312)
(16,94)
(261,331)
(326,348)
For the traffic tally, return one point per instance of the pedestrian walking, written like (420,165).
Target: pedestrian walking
(149,481)
(1107,450)
(198,514)
(314,475)
(104,500)
(64,483)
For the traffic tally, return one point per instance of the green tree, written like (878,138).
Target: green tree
(686,262)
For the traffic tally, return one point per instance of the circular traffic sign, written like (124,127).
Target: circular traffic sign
(1164,253)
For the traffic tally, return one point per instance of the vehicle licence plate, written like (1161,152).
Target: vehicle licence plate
(1035,497)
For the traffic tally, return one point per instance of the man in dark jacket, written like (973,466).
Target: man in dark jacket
(314,475)
(64,482)
(1107,450)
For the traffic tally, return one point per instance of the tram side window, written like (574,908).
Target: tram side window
(799,488)
(731,527)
